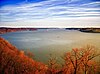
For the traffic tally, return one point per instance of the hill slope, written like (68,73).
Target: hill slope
(13,61)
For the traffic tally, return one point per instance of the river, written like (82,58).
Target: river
(43,42)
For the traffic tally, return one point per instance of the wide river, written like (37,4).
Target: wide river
(43,42)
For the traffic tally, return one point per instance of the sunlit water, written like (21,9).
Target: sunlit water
(52,41)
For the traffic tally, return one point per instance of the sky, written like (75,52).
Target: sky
(50,13)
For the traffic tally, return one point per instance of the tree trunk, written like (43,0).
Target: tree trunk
(85,71)
(75,71)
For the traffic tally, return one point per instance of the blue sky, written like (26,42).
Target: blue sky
(50,13)
(14,2)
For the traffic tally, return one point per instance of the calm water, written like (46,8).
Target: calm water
(55,41)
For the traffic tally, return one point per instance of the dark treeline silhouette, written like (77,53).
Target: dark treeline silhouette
(77,61)
(90,30)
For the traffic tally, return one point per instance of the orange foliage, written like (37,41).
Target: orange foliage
(13,61)
(77,61)
(80,61)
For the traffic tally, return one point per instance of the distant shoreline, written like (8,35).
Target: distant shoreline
(4,30)
(90,30)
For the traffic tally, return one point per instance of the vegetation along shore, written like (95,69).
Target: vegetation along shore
(77,61)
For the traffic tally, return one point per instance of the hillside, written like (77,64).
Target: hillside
(13,61)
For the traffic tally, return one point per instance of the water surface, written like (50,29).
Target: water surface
(51,41)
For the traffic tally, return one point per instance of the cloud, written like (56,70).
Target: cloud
(91,4)
(50,9)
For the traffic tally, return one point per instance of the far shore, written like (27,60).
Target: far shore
(4,30)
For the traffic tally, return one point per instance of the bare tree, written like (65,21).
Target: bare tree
(81,59)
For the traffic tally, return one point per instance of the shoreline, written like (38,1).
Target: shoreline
(4,30)
(7,30)
(91,30)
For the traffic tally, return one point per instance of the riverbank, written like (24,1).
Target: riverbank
(87,30)
(14,61)
(7,30)
(90,30)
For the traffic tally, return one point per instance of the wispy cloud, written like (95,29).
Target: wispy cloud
(49,9)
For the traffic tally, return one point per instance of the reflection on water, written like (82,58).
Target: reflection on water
(57,42)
